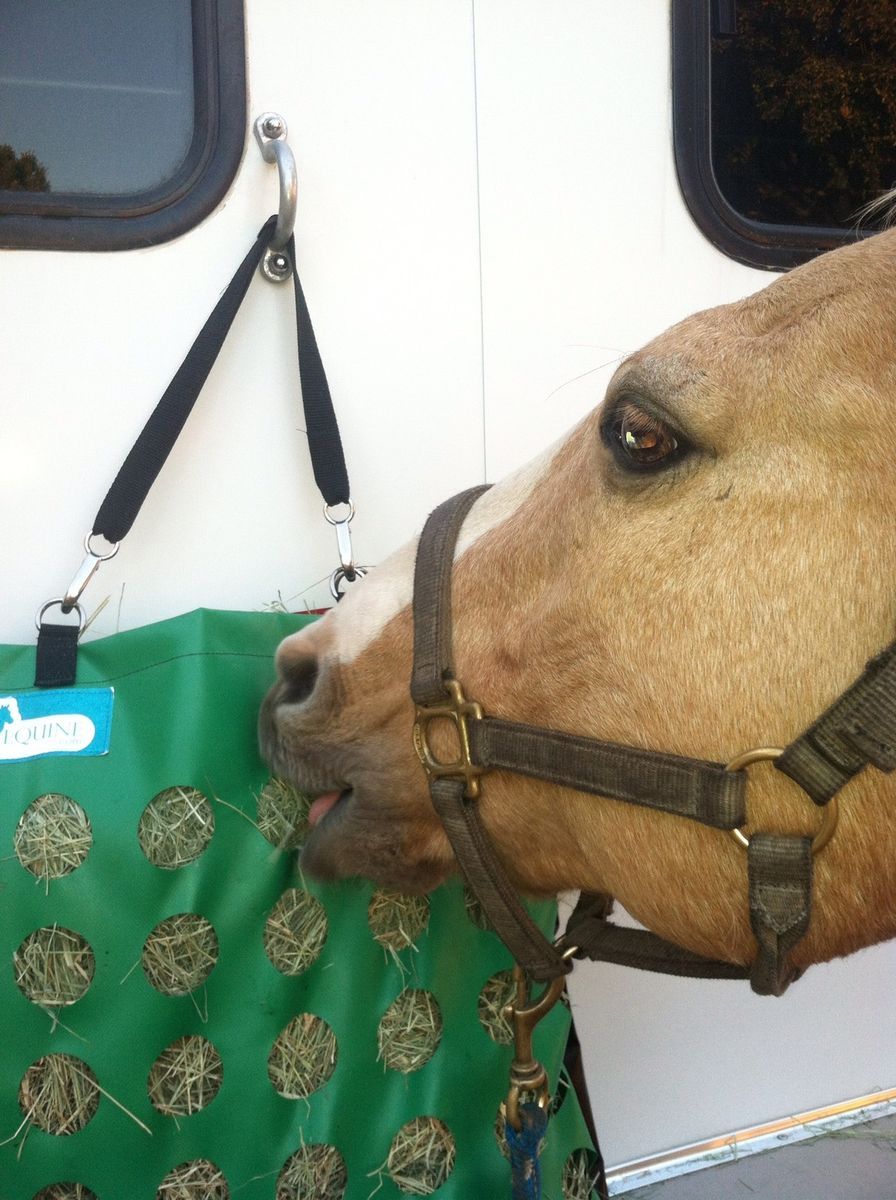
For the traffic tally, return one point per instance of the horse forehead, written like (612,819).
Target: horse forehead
(367,609)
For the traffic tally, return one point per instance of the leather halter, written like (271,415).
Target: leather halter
(859,728)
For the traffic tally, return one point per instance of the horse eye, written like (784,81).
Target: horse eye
(639,439)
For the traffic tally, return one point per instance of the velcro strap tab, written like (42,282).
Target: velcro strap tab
(859,728)
(57,655)
(688,787)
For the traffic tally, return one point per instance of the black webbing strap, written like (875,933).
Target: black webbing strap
(598,938)
(780,870)
(57,644)
(859,728)
(687,787)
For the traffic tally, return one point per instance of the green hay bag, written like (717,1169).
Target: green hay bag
(184,1015)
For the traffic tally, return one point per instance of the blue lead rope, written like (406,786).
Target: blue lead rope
(525,1148)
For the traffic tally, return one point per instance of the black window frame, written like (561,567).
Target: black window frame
(60,221)
(755,243)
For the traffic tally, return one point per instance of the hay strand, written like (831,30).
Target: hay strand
(283,814)
(54,966)
(397,920)
(185,1078)
(196,1180)
(303,1057)
(53,836)
(175,827)
(59,1094)
(295,931)
(410,1031)
(179,954)
(315,1172)
(475,911)
(421,1156)
(498,992)
(580,1176)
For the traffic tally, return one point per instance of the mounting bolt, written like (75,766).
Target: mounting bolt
(273,127)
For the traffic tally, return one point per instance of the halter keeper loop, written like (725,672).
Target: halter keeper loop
(459,711)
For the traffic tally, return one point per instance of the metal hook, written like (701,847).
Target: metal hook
(270,133)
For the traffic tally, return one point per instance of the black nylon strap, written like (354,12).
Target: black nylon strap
(859,728)
(57,655)
(688,787)
(131,485)
(324,442)
(780,871)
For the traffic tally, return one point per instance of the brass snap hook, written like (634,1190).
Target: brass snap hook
(526,1073)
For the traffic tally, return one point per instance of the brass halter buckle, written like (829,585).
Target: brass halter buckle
(460,712)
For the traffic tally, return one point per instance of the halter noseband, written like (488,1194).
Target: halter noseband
(858,729)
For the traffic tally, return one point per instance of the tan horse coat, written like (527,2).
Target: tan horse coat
(712,603)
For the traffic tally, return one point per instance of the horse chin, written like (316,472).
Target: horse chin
(349,843)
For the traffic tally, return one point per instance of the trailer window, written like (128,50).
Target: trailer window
(121,122)
(783,121)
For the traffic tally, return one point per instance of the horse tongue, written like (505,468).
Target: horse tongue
(322,806)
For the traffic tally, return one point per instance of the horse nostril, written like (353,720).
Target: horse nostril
(298,678)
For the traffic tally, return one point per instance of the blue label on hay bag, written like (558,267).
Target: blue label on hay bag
(70,721)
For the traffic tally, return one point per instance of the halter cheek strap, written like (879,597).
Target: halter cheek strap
(779,867)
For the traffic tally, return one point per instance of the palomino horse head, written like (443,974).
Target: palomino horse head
(701,566)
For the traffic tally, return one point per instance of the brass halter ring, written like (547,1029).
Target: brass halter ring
(830,812)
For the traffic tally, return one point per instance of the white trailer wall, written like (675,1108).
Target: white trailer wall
(488,219)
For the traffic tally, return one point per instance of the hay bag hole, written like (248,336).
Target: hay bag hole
(54,966)
(53,836)
(175,827)
(410,1031)
(303,1057)
(185,1078)
(421,1156)
(315,1172)
(581,1173)
(295,931)
(179,954)
(498,992)
(59,1094)
(282,815)
(397,920)
(65,1191)
(196,1180)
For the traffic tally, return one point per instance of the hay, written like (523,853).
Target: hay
(179,954)
(303,1057)
(185,1078)
(475,911)
(54,966)
(580,1176)
(410,1031)
(397,920)
(59,1094)
(196,1180)
(283,814)
(53,836)
(295,931)
(65,1191)
(315,1172)
(421,1156)
(175,827)
(498,992)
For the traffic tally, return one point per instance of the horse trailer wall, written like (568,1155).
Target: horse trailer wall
(489,219)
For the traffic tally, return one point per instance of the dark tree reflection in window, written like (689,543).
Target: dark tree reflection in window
(21,172)
(804,107)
